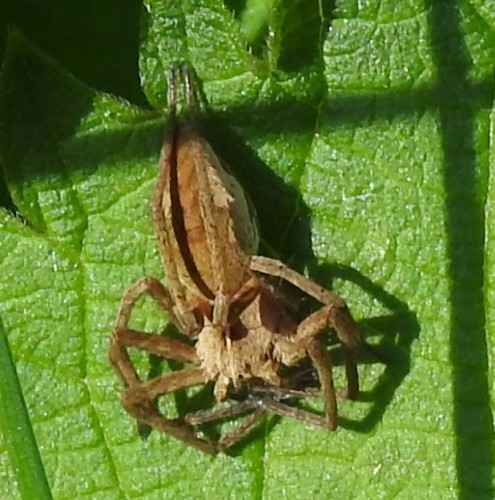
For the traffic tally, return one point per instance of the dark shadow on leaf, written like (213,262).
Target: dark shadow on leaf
(395,333)
(97,41)
(465,226)
(6,200)
(353,109)
(302,32)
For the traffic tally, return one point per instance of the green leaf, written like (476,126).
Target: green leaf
(365,140)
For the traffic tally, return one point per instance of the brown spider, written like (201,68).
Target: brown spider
(242,327)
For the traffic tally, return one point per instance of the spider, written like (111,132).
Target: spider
(241,328)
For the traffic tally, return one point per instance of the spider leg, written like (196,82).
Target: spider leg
(154,344)
(204,416)
(261,405)
(139,401)
(334,313)
(285,410)
(267,398)
(244,428)
(323,365)
(123,337)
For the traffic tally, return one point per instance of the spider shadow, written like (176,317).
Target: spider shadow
(395,333)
